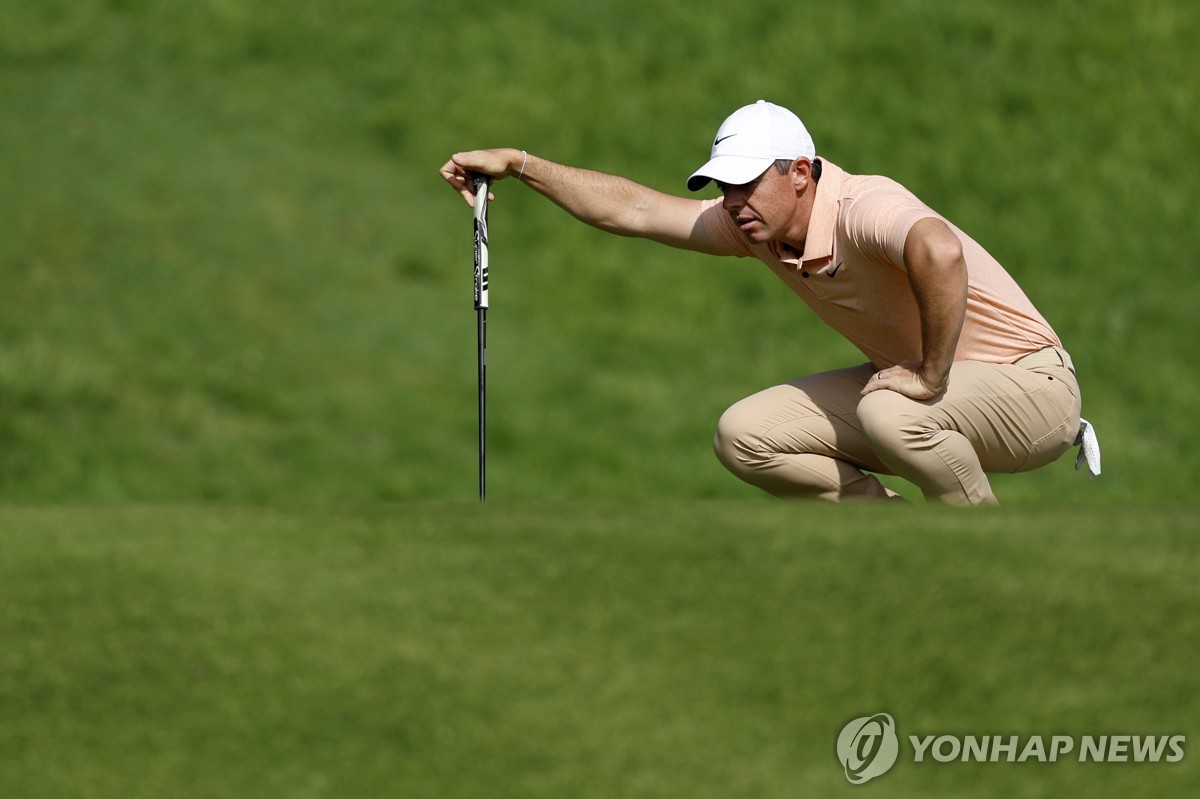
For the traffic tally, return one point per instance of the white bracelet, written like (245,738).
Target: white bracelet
(524,159)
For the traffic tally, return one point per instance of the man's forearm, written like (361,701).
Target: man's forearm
(609,202)
(938,275)
(942,312)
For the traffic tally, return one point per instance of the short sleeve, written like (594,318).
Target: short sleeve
(878,222)
(722,233)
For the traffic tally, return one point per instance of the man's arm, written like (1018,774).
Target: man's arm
(937,273)
(608,202)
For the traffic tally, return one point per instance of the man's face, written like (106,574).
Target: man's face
(766,208)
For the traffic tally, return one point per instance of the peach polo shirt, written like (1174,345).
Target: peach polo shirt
(852,274)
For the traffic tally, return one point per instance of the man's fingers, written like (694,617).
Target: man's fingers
(458,171)
(457,177)
(902,381)
(876,383)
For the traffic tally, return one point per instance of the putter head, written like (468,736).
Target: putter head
(1089,449)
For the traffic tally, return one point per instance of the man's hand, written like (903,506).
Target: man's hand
(905,378)
(496,164)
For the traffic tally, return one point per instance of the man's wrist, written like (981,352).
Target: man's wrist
(518,163)
(936,380)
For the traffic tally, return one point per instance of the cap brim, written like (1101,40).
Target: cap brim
(732,170)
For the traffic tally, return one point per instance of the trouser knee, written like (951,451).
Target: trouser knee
(887,421)
(734,441)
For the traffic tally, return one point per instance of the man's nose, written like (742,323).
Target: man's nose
(734,200)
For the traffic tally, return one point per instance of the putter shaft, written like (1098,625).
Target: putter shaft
(481,184)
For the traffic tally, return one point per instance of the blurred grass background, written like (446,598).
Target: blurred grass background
(230,269)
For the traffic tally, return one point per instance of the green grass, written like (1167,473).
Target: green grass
(583,649)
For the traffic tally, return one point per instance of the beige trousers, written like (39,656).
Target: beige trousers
(816,437)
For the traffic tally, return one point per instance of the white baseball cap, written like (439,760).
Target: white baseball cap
(750,140)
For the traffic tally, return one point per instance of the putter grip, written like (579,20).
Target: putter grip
(481,184)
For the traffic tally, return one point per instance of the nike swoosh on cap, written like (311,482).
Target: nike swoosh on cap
(723,138)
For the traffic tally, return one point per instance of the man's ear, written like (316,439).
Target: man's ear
(801,174)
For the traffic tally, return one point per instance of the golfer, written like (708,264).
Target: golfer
(963,375)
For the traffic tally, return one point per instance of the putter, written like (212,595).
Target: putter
(481,183)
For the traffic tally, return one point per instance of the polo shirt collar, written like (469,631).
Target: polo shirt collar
(818,244)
